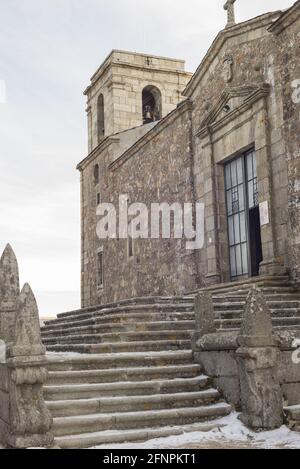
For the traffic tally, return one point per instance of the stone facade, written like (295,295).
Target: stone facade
(239,100)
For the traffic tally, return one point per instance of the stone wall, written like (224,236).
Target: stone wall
(286,34)
(158,170)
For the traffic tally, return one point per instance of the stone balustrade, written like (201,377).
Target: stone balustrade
(24,418)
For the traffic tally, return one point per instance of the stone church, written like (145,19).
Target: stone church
(170,340)
(226,136)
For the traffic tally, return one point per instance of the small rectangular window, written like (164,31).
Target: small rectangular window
(130,247)
(130,242)
(98,199)
(100,269)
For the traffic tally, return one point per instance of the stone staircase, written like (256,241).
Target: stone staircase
(282,297)
(124,372)
(133,377)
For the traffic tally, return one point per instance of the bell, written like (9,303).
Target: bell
(148,114)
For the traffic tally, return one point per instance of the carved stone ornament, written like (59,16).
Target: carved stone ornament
(228,68)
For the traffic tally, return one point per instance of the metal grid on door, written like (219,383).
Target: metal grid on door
(241,195)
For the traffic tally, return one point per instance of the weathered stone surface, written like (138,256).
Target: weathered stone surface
(219,364)
(291,393)
(218,341)
(27,327)
(9,293)
(204,313)
(24,418)
(230,388)
(261,395)
(289,372)
(257,329)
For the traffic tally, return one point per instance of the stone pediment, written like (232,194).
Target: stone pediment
(231,102)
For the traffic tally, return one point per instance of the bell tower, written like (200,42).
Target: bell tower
(129,90)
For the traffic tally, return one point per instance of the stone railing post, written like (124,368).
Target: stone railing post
(204,316)
(24,418)
(261,396)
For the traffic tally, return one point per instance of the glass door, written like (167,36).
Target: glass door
(243,216)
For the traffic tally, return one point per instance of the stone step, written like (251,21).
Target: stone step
(123,374)
(120,337)
(262,282)
(89,440)
(133,420)
(237,306)
(122,347)
(146,309)
(130,318)
(62,362)
(273,304)
(126,388)
(276,313)
(281,323)
(132,403)
(268,295)
(131,302)
(225,324)
(122,327)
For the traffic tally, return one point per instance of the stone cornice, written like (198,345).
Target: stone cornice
(220,40)
(209,127)
(286,19)
(96,152)
(165,122)
(109,62)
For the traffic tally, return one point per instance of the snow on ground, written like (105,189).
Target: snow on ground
(233,435)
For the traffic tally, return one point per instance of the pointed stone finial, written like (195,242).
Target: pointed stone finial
(229,7)
(9,275)
(9,293)
(257,329)
(27,326)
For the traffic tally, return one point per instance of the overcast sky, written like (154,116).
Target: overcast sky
(48,51)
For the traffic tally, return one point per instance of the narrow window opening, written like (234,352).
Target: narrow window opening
(130,243)
(96,174)
(100,269)
(100,118)
(151,98)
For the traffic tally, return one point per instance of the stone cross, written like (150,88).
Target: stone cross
(229,7)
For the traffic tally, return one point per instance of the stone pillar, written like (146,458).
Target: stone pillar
(204,316)
(271,264)
(213,274)
(261,396)
(24,418)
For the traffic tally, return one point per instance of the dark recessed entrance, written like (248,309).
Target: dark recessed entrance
(244,230)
